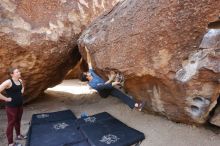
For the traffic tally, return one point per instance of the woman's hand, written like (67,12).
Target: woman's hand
(8,99)
(111,77)
(115,83)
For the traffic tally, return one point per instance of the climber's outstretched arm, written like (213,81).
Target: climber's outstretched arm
(88,58)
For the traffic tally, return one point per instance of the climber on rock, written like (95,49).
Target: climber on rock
(108,88)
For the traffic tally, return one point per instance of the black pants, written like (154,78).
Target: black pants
(117,93)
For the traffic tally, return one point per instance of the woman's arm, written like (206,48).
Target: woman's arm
(4,86)
(107,86)
(22,90)
(88,58)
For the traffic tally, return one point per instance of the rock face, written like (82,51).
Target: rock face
(40,38)
(215,120)
(155,44)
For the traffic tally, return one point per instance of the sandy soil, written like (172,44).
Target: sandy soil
(74,95)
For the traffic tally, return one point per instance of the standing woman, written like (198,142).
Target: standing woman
(14,104)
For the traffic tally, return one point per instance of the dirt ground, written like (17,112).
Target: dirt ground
(77,96)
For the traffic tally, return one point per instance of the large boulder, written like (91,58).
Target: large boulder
(40,38)
(155,45)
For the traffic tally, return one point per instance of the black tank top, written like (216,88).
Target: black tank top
(15,93)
